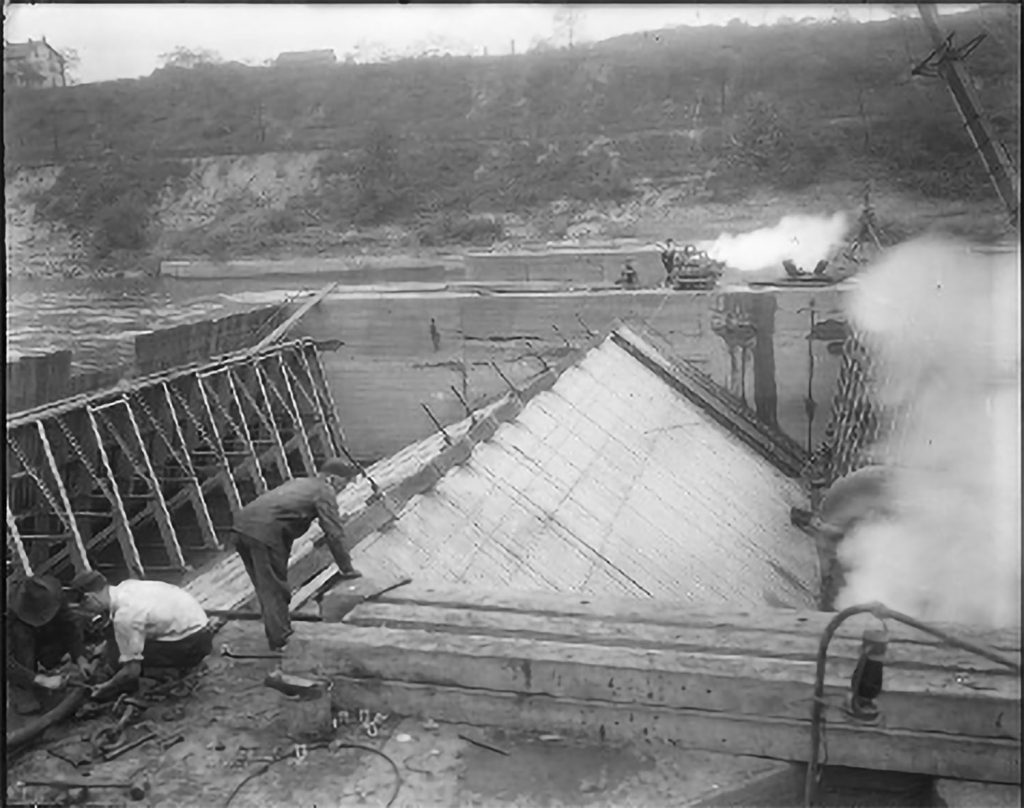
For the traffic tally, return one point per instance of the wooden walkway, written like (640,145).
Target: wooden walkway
(626,669)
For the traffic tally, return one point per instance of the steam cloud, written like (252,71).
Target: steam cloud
(943,323)
(804,239)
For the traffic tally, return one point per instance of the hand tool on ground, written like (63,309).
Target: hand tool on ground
(109,737)
(342,603)
(168,741)
(225,650)
(137,790)
(483,745)
(117,751)
(295,685)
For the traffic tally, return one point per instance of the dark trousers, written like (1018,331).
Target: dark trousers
(267,567)
(180,654)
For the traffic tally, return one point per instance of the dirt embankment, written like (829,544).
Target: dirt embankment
(260,206)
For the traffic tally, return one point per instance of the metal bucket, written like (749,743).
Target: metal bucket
(308,716)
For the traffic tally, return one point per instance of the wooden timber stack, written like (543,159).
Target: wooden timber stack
(619,669)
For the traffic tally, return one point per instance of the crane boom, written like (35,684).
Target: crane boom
(951,68)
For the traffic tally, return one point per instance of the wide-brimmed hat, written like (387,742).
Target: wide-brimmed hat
(89,581)
(37,600)
(338,468)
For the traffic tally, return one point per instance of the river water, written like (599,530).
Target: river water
(98,319)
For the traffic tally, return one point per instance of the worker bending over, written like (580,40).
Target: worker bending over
(41,631)
(266,528)
(152,625)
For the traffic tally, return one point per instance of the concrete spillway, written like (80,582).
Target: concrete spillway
(402,349)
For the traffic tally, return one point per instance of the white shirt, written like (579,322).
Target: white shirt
(151,610)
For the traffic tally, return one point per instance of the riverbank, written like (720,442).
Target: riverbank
(43,249)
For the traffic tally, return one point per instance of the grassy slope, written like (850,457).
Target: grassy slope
(712,110)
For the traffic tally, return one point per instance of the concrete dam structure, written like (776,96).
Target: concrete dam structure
(776,350)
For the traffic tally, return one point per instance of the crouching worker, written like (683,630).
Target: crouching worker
(153,625)
(266,528)
(41,632)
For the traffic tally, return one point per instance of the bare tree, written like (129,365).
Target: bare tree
(189,57)
(568,20)
(72,61)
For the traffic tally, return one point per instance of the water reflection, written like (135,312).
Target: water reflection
(98,319)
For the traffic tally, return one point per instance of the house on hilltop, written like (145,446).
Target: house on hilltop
(306,58)
(33,64)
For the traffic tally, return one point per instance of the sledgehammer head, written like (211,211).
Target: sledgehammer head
(138,791)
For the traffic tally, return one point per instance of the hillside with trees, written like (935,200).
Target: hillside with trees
(438,140)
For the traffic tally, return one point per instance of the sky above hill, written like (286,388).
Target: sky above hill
(126,41)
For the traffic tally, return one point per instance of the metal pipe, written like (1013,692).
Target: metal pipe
(430,415)
(882,612)
(66,707)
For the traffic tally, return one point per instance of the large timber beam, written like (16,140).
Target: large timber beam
(952,70)
(99,397)
(629,669)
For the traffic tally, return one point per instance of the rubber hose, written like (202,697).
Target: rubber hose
(65,708)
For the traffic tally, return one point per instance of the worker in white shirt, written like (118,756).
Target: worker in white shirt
(153,625)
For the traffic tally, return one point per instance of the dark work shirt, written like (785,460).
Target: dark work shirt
(283,514)
(27,646)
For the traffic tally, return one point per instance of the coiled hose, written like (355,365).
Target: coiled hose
(65,708)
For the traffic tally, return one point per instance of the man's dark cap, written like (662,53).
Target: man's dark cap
(37,600)
(338,468)
(90,581)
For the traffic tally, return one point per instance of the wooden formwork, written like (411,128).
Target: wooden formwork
(143,479)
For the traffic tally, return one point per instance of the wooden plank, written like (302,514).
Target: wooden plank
(100,397)
(292,407)
(257,477)
(934,754)
(76,547)
(265,419)
(119,526)
(915,700)
(275,435)
(286,326)
(228,478)
(626,609)
(165,524)
(203,518)
(727,638)
(15,545)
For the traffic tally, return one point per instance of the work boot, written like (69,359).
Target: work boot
(350,574)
